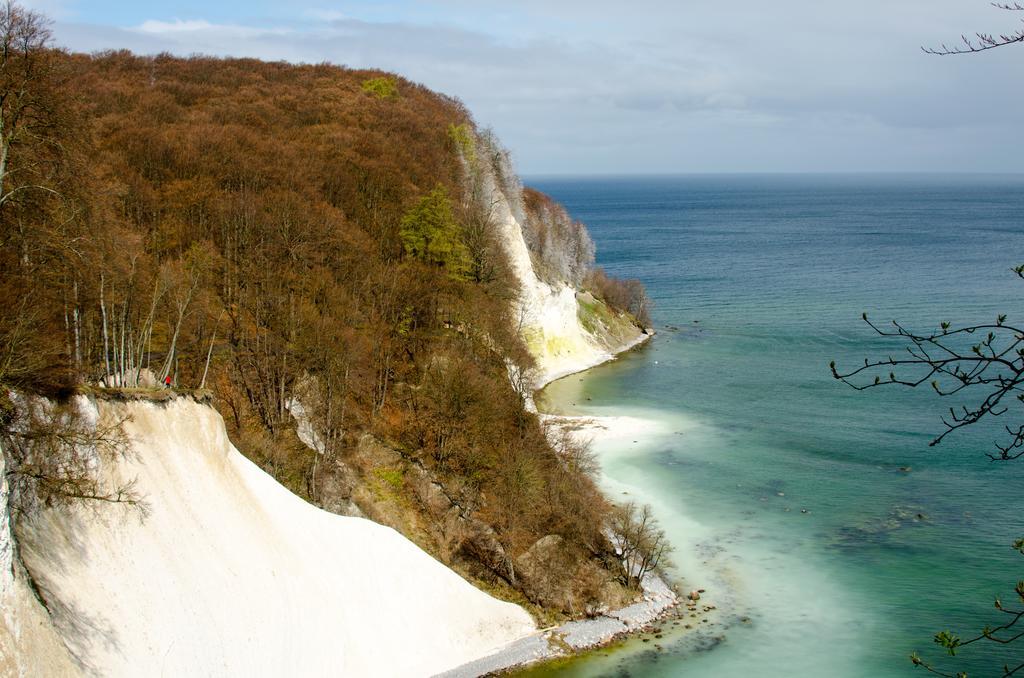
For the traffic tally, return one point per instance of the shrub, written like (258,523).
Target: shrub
(628,296)
(465,141)
(384,87)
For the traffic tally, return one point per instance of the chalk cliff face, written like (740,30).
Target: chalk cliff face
(229,573)
(29,644)
(565,328)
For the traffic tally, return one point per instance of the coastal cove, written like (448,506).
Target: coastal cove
(393,340)
(830,537)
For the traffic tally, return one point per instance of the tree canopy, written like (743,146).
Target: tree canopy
(431,234)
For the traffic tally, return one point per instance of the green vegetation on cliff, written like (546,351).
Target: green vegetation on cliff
(431,234)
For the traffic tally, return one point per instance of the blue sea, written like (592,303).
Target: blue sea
(833,540)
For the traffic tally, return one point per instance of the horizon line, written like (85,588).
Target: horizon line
(779,173)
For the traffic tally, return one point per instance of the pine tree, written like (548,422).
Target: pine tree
(431,234)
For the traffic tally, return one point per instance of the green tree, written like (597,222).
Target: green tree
(384,87)
(431,234)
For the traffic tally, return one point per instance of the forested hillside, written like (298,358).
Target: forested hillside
(282,240)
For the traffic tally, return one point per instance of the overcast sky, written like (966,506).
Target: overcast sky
(644,86)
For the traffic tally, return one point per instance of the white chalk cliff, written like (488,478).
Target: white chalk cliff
(566,329)
(229,574)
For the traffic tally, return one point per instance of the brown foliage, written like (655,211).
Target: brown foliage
(628,296)
(236,225)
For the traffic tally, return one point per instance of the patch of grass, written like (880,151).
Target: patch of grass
(387,484)
(392,477)
(600,320)
(589,313)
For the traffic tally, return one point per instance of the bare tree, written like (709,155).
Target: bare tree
(986,361)
(638,540)
(27,112)
(55,455)
(33,233)
(952,361)
(963,361)
(184,280)
(982,41)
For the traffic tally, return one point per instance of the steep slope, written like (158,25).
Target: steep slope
(566,328)
(229,573)
(29,645)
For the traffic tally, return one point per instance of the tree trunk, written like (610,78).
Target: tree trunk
(78,329)
(182,308)
(106,343)
(209,354)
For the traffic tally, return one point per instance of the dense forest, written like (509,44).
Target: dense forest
(264,235)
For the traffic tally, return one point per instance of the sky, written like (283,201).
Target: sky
(643,86)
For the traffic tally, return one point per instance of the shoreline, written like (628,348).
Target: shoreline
(600,359)
(660,600)
(572,638)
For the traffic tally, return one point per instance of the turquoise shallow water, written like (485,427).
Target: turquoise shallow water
(765,279)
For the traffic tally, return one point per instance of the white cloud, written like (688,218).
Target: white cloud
(327,15)
(178,26)
(692,87)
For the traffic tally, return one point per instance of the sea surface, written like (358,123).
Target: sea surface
(833,540)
